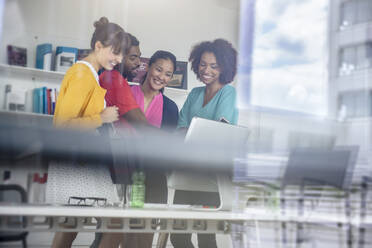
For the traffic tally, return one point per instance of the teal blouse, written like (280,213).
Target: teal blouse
(223,104)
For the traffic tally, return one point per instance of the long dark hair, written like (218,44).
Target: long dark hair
(160,54)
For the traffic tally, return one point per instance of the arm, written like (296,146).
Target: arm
(119,94)
(135,116)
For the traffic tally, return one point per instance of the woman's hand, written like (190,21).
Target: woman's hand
(110,114)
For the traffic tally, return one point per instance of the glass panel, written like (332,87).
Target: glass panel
(290,53)
(361,104)
(347,60)
(368,55)
(364,11)
(347,14)
(348,101)
(370,103)
(361,61)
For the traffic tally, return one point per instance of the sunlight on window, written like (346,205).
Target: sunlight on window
(289,69)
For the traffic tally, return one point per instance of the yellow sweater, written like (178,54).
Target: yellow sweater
(80,100)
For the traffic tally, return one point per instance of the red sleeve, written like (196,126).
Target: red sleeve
(118,91)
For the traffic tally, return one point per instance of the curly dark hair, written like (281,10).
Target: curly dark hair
(226,57)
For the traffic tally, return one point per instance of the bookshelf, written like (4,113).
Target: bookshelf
(24,113)
(12,70)
(26,118)
(33,78)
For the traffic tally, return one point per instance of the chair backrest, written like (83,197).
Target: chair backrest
(308,166)
(20,195)
(14,193)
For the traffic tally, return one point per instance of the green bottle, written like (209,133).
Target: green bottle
(138,189)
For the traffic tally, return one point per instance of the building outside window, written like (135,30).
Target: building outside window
(356,103)
(356,57)
(355,12)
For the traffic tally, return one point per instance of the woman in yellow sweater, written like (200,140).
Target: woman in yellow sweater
(81,105)
(81,100)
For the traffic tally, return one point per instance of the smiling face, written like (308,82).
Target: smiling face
(106,57)
(132,62)
(209,70)
(159,74)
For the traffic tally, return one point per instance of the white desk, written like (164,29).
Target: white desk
(83,219)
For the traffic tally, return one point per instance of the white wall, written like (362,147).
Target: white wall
(68,23)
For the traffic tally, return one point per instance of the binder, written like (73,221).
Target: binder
(35,101)
(49,102)
(44,100)
(53,98)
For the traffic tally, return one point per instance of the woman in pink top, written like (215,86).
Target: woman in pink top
(159,110)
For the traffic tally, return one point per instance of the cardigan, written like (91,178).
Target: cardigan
(80,100)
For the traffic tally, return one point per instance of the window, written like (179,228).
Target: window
(364,11)
(356,103)
(354,12)
(355,58)
(348,12)
(286,67)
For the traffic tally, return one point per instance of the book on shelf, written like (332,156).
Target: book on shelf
(17,55)
(49,102)
(14,99)
(54,98)
(44,100)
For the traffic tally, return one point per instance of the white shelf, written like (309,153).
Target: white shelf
(12,71)
(23,113)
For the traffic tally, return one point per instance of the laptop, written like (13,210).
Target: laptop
(229,142)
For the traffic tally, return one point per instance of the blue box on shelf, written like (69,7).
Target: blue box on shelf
(44,56)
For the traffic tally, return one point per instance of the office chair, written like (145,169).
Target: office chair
(18,194)
(319,169)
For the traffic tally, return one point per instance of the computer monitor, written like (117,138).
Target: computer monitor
(333,167)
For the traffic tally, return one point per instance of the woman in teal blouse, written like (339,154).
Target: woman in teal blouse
(222,105)
(214,64)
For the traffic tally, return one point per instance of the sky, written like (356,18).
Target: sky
(289,60)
